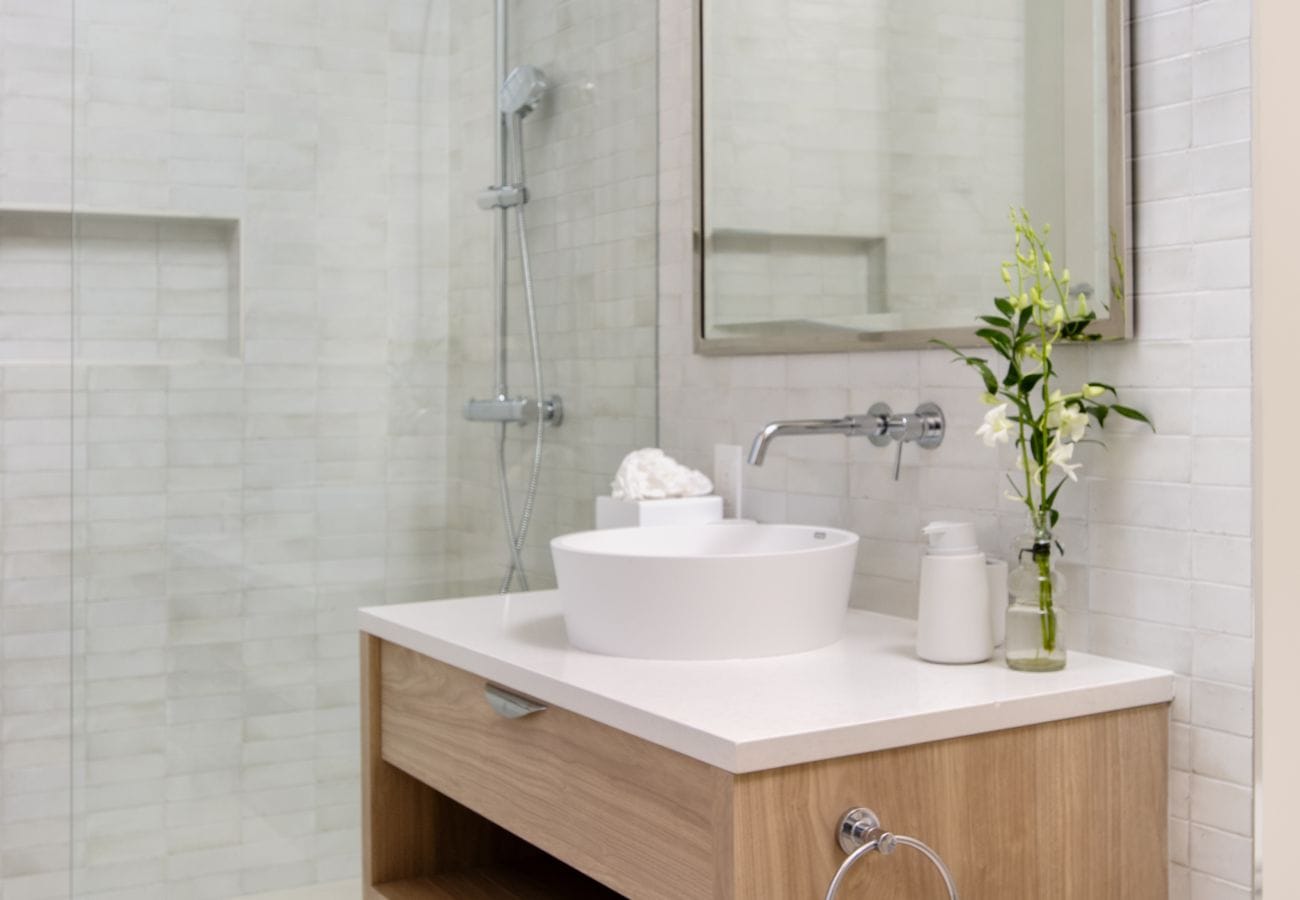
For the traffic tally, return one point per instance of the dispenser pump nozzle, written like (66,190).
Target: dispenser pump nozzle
(951,538)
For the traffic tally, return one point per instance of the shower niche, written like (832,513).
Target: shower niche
(148,287)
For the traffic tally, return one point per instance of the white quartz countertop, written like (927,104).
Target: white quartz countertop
(867,692)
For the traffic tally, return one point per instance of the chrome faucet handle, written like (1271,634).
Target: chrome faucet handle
(925,427)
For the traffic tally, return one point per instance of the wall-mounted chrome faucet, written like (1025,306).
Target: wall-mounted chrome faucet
(880,425)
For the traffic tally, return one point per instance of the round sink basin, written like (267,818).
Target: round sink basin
(718,591)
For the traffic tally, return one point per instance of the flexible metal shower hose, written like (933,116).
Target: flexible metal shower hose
(515,536)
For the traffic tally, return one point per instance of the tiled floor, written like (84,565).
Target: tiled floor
(335,890)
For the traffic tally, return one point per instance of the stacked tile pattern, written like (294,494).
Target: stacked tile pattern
(228,437)
(211,461)
(1160,524)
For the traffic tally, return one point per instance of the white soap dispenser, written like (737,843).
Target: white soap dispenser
(953,618)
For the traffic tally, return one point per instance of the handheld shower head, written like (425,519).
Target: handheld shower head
(522,90)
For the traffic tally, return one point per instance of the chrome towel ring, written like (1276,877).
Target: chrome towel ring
(860,832)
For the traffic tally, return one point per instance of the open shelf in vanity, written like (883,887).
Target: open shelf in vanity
(710,782)
(544,881)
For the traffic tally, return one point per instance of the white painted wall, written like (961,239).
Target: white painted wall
(1160,525)
(1276,137)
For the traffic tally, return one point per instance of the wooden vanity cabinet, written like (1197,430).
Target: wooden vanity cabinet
(461,802)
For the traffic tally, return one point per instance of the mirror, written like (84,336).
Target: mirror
(858,158)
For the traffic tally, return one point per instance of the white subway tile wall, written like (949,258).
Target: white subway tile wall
(217,486)
(1159,525)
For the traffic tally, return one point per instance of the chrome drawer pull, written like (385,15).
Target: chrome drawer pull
(512,706)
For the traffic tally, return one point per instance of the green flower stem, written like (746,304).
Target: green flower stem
(1024,446)
(1048,618)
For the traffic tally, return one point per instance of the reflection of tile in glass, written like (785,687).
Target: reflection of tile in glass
(780,277)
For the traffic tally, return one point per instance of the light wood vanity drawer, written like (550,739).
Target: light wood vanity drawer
(635,816)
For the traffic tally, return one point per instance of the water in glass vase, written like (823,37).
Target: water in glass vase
(1035,617)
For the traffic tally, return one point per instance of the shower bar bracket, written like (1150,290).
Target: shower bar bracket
(515,409)
(502,196)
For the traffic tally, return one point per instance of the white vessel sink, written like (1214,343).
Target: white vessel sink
(717,591)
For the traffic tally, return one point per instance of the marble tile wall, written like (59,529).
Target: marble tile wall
(1160,524)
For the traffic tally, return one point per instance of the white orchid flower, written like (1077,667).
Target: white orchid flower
(996,428)
(1073,423)
(1069,421)
(1059,454)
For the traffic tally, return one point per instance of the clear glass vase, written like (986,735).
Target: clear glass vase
(1035,618)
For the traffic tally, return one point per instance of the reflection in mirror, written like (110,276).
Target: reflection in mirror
(859,158)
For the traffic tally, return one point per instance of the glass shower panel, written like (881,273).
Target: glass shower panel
(260,422)
(245,289)
(36,521)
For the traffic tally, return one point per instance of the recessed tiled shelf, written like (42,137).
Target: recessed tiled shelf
(118,287)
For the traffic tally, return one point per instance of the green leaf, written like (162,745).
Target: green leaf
(1025,315)
(1027,383)
(947,346)
(1129,412)
(1004,306)
(1013,375)
(996,339)
(1105,387)
(1023,412)
(1051,498)
(990,382)
(996,320)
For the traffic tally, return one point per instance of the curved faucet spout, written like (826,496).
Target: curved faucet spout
(925,428)
(772,430)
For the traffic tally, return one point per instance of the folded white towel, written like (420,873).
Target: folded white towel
(651,474)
